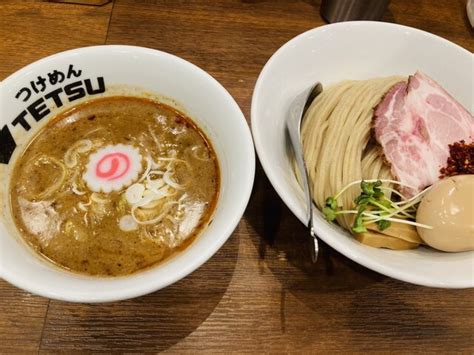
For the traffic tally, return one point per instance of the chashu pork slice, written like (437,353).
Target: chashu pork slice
(414,123)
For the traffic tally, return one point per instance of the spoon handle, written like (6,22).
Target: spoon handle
(294,131)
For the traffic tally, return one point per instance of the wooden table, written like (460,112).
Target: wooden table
(259,292)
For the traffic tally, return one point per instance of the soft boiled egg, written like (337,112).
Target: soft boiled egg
(449,208)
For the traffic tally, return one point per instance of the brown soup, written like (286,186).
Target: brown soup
(114,186)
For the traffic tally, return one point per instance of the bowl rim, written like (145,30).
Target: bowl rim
(236,213)
(273,175)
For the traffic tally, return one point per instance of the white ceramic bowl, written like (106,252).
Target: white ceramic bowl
(136,71)
(358,50)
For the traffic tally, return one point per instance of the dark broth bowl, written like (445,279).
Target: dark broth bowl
(83,74)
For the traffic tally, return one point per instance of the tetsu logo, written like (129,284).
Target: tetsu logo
(38,109)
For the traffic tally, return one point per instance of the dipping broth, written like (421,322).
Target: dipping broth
(114,186)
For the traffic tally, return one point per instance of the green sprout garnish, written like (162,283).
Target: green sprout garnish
(372,206)
(330,210)
(383,224)
(358,226)
(329,213)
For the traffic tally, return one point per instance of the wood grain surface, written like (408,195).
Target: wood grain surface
(259,293)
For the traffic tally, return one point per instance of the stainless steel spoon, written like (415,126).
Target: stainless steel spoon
(295,118)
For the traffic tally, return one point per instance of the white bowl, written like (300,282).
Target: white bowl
(138,71)
(358,50)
